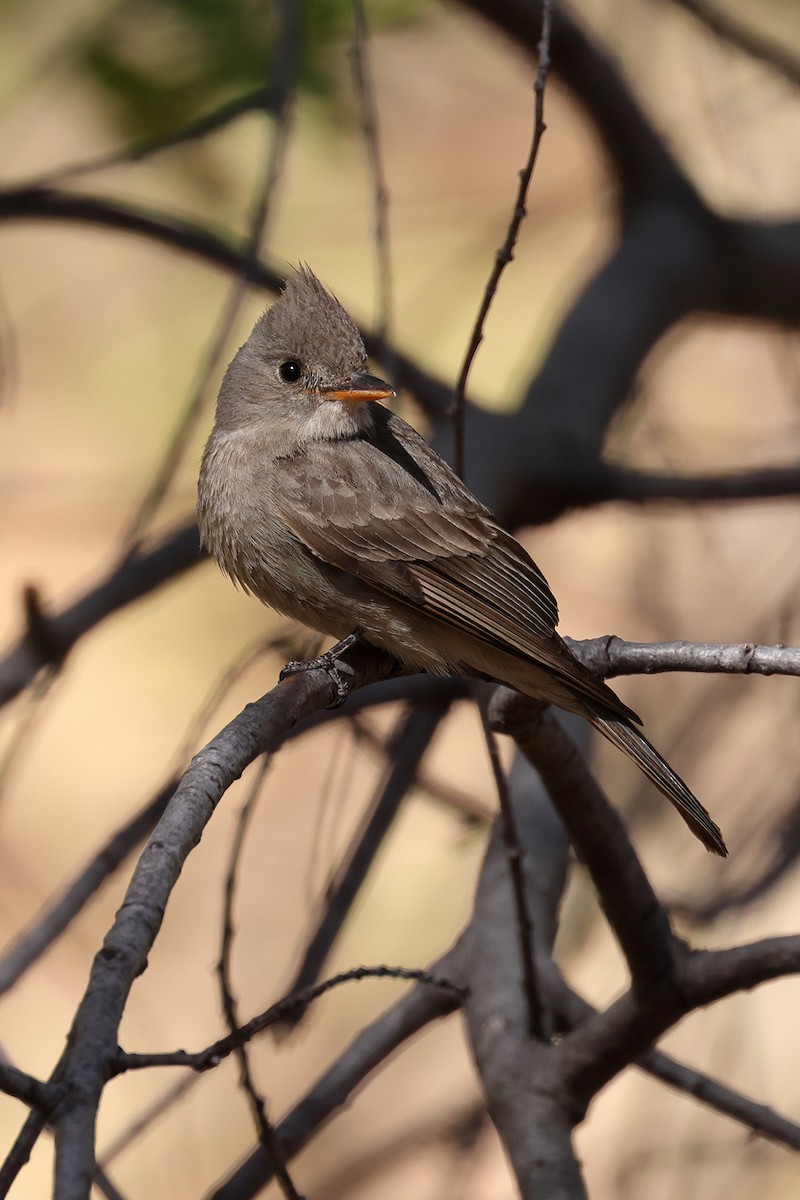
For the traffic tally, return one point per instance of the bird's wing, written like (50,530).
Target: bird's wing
(395,516)
(418,535)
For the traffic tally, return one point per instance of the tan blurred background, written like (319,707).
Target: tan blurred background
(105,332)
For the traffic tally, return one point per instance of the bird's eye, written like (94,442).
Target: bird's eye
(290,371)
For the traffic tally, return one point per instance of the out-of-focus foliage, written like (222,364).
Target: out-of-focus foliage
(161,62)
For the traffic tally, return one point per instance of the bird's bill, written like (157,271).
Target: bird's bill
(360,387)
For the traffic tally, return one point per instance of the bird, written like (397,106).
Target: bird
(321,502)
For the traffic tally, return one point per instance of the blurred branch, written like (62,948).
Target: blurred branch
(42,203)
(411,738)
(61,911)
(129,581)
(641,161)
(261,99)
(674,256)
(151,1113)
(541,495)
(785,851)
(454,1130)
(465,804)
(758,1118)
(761,483)
(672,259)
(728,29)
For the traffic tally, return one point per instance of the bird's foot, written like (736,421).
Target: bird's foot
(332,664)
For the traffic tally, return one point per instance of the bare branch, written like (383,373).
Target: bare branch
(532,1113)
(333,1089)
(24,1087)
(689,1081)
(43,203)
(261,728)
(259,99)
(759,1118)
(712,974)
(638,920)
(213,1055)
(506,252)
(761,483)
(608,656)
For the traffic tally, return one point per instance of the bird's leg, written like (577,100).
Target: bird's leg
(331,663)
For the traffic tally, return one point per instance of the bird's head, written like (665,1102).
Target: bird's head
(304,359)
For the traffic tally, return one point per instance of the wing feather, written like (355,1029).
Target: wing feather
(426,540)
(416,533)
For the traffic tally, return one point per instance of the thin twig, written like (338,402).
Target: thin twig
(32,710)
(514,858)
(506,252)
(369,123)
(262,98)
(759,1118)
(213,1055)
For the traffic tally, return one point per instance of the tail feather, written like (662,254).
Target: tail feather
(633,743)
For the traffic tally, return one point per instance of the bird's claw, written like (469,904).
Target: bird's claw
(333,666)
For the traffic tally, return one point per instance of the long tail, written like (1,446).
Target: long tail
(633,743)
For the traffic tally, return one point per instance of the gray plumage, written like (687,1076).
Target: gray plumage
(332,510)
